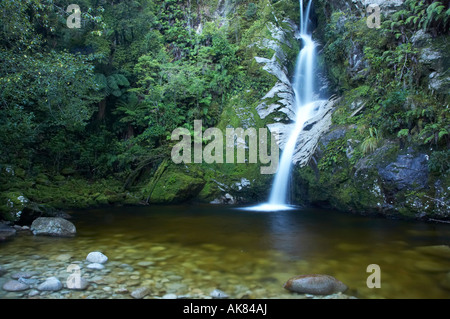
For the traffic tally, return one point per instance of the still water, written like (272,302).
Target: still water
(190,250)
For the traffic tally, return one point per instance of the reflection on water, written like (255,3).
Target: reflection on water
(247,253)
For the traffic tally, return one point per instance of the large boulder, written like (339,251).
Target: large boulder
(408,171)
(53,226)
(315,284)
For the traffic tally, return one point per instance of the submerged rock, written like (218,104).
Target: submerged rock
(6,232)
(24,274)
(95,266)
(53,226)
(50,284)
(96,257)
(2,270)
(14,285)
(140,293)
(218,294)
(315,285)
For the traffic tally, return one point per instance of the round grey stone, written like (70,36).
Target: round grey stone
(24,274)
(96,257)
(218,294)
(14,285)
(95,266)
(140,293)
(50,284)
(315,284)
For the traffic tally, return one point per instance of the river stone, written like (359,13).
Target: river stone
(121,290)
(6,232)
(145,263)
(33,293)
(63,257)
(14,285)
(169,296)
(140,293)
(23,274)
(53,226)
(218,294)
(2,270)
(50,284)
(95,266)
(315,284)
(96,257)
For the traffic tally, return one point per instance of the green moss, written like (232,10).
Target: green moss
(176,186)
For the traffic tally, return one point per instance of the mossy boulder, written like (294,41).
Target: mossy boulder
(176,185)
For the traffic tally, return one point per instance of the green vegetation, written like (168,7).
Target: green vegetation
(390,106)
(86,114)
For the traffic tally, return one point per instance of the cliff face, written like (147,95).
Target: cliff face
(379,145)
(383,153)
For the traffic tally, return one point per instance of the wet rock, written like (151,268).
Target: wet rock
(218,294)
(33,293)
(14,285)
(2,271)
(145,263)
(170,296)
(315,284)
(19,228)
(53,226)
(95,266)
(96,257)
(63,257)
(23,274)
(407,172)
(140,293)
(121,290)
(50,284)
(28,281)
(6,232)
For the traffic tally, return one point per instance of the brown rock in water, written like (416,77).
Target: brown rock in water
(315,284)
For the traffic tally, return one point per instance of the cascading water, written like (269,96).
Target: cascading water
(303,86)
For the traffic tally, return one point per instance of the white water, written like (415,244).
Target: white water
(303,86)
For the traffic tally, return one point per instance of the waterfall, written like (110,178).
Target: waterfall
(303,87)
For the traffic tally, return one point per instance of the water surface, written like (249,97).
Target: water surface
(192,249)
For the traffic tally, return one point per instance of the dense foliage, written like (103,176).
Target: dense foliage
(390,82)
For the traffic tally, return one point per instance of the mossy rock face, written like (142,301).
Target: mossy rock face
(176,186)
(42,179)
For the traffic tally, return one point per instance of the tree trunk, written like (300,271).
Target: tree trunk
(101,109)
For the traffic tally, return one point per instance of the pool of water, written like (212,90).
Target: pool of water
(190,250)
